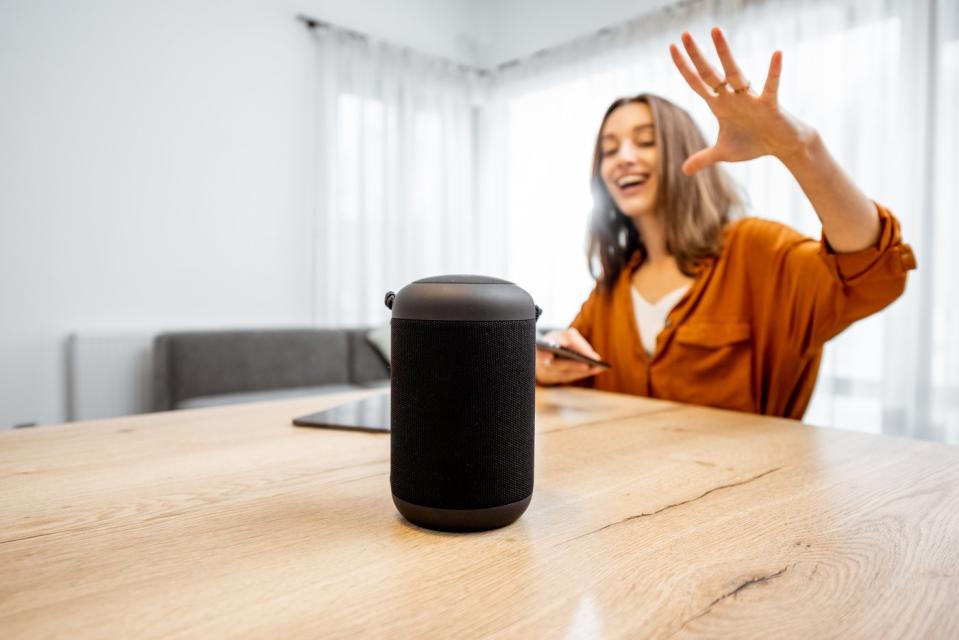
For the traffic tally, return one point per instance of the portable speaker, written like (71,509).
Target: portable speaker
(462,384)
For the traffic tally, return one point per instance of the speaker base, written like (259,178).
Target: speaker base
(462,519)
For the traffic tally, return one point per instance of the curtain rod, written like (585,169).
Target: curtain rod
(313,23)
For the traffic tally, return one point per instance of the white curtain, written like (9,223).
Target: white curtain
(878,78)
(395,174)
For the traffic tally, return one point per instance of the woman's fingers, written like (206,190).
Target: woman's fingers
(561,371)
(552,369)
(563,366)
(734,76)
(700,160)
(771,90)
(706,71)
(578,343)
(692,78)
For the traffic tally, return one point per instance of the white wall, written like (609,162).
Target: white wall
(151,176)
(509,29)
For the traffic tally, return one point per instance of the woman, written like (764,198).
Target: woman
(694,307)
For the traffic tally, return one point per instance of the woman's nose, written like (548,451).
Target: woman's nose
(627,151)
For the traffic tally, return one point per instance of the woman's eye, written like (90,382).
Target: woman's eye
(608,152)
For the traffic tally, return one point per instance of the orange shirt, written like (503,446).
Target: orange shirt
(749,332)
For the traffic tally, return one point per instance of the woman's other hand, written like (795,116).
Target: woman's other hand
(750,124)
(552,369)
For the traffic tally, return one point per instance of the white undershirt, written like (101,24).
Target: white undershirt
(650,318)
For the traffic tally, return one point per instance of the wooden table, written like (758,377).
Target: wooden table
(649,519)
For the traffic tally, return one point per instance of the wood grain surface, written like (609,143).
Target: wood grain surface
(649,520)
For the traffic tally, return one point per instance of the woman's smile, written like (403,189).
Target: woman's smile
(632,183)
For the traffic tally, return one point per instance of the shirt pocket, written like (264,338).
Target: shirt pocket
(712,365)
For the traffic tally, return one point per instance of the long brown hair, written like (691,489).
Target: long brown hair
(694,209)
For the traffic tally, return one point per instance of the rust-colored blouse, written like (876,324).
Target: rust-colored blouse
(748,334)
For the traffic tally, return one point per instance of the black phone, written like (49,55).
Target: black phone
(368,414)
(569,354)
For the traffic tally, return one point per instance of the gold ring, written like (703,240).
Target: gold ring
(743,90)
(721,84)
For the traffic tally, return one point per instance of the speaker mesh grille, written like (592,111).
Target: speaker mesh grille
(462,412)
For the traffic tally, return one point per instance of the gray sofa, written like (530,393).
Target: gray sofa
(207,368)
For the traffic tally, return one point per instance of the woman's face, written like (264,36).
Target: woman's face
(630,159)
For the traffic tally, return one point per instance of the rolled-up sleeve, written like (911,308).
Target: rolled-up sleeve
(815,292)
(888,259)
(862,282)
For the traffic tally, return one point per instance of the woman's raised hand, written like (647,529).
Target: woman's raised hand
(750,124)
(551,369)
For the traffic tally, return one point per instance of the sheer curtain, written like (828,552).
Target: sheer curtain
(939,382)
(503,187)
(395,174)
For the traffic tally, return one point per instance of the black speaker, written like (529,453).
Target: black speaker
(462,385)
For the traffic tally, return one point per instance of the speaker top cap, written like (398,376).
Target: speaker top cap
(463,279)
(463,298)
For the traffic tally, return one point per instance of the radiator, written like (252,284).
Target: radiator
(108,375)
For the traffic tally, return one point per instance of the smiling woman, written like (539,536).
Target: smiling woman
(694,307)
(637,169)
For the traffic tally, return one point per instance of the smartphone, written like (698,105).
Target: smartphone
(569,354)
